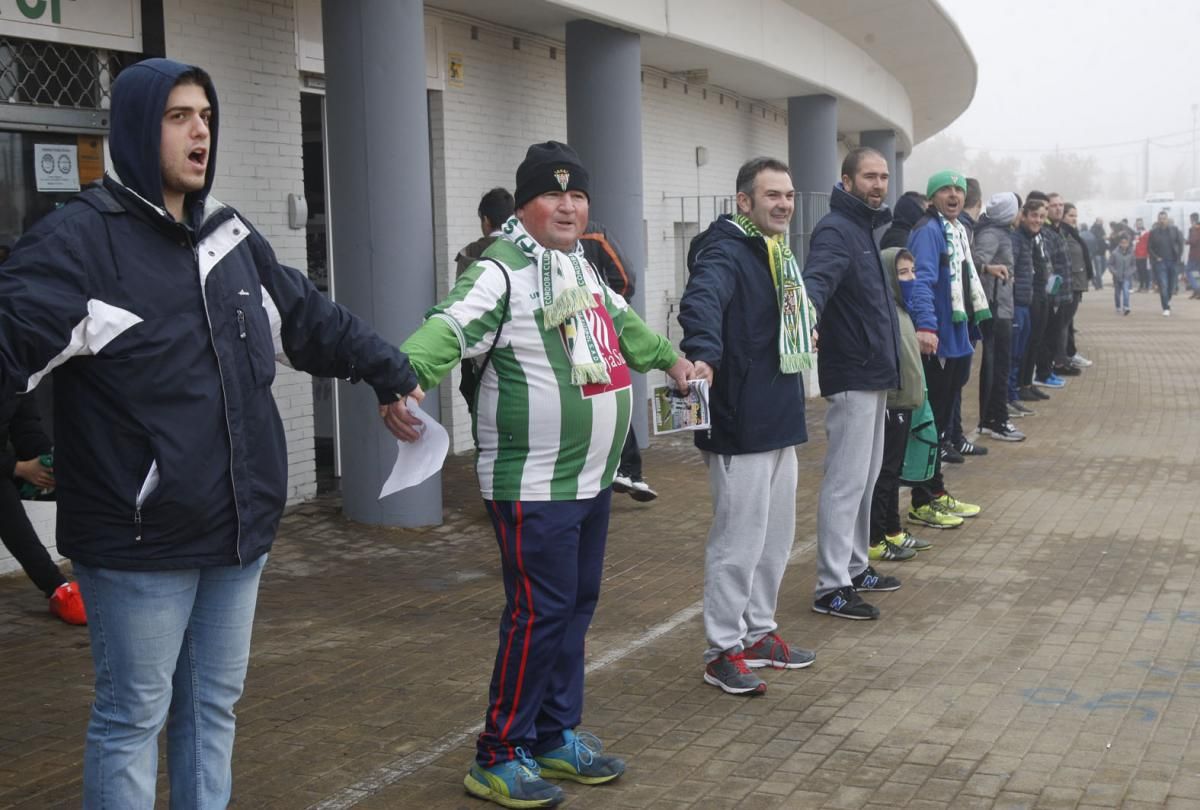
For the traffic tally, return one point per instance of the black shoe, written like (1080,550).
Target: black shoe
(870,580)
(1017,409)
(1068,371)
(1027,393)
(845,603)
(950,454)
(1005,433)
(1038,393)
(968,449)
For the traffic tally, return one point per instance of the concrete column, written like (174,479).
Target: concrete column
(813,158)
(898,175)
(381,220)
(604,125)
(884,140)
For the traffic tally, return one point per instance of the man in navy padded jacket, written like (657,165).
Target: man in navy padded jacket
(163,312)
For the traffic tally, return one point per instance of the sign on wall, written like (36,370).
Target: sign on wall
(56,167)
(112,24)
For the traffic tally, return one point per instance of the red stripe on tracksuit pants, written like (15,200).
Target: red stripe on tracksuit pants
(552,559)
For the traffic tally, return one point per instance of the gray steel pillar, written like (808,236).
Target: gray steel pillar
(884,141)
(812,143)
(604,125)
(381,219)
(813,159)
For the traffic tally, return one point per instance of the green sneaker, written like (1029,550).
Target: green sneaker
(889,552)
(906,540)
(930,515)
(517,783)
(580,759)
(951,505)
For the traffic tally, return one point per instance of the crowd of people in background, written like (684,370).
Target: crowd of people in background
(1152,258)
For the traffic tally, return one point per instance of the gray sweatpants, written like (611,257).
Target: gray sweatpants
(754,524)
(854,427)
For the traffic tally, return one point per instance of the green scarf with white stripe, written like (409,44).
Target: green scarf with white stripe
(565,297)
(796,314)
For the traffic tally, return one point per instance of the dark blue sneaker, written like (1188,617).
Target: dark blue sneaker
(845,603)
(517,783)
(870,580)
(580,759)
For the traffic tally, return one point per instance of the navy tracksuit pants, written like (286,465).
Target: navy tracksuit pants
(552,559)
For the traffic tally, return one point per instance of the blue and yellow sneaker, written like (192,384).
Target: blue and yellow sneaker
(517,783)
(579,759)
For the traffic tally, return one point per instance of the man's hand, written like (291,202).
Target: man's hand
(403,423)
(680,373)
(816,340)
(31,470)
(997,270)
(702,371)
(928,342)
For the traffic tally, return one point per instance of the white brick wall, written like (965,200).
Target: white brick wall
(249,47)
(41,515)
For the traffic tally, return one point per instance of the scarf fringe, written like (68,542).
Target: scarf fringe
(795,363)
(567,302)
(589,373)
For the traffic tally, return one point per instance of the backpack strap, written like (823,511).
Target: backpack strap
(100,198)
(487,358)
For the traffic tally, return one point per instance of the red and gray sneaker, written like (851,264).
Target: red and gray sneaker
(728,671)
(67,604)
(772,651)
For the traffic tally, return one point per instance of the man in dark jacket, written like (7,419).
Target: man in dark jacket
(495,208)
(747,328)
(858,364)
(909,208)
(1166,248)
(1025,244)
(163,312)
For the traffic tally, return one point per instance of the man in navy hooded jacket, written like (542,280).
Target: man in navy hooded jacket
(163,312)
(858,363)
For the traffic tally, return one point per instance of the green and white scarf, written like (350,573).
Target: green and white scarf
(960,254)
(796,315)
(565,297)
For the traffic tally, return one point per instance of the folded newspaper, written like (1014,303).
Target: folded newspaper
(673,411)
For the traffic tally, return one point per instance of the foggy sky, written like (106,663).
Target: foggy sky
(1080,73)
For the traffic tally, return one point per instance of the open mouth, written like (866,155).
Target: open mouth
(198,157)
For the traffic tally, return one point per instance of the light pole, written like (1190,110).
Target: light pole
(1195,110)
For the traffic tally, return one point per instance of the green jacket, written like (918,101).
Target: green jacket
(911,393)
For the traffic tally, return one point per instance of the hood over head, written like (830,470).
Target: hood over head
(908,211)
(139,98)
(889,270)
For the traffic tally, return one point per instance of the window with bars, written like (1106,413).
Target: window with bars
(58,75)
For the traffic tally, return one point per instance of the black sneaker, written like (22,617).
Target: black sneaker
(968,449)
(950,454)
(1018,409)
(1005,432)
(1068,371)
(870,580)
(845,603)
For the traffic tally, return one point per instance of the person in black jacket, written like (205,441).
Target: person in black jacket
(859,362)
(909,208)
(744,314)
(605,254)
(163,313)
(23,444)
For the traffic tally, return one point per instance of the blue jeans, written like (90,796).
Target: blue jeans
(1166,273)
(1121,294)
(1193,275)
(1020,339)
(168,647)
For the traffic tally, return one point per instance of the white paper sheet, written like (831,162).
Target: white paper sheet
(416,461)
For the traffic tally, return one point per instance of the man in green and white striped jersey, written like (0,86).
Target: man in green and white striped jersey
(550,418)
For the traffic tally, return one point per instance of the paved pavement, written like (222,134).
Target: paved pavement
(1047,654)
